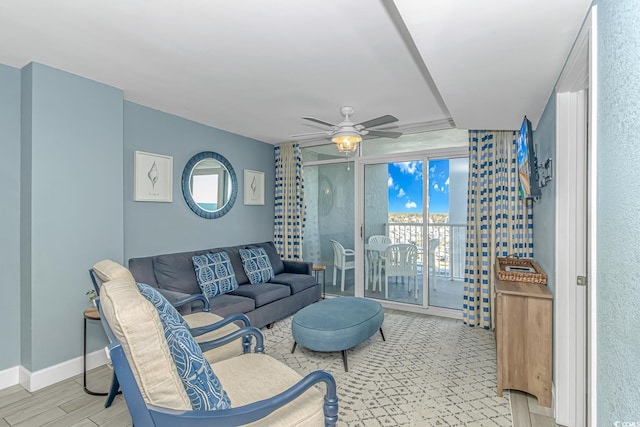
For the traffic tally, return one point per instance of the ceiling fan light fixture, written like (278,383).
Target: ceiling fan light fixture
(347,142)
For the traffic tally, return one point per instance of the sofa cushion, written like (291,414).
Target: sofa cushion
(263,294)
(142,270)
(297,282)
(136,324)
(227,304)
(256,264)
(202,318)
(200,382)
(215,274)
(175,272)
(274,257)
(275,378)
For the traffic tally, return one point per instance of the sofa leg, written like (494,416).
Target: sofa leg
(270,325)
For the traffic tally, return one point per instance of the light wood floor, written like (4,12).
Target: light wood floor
(65,404)
(526,412)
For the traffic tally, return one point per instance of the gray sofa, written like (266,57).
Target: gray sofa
(292,287)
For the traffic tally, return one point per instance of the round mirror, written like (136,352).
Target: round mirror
(209,185)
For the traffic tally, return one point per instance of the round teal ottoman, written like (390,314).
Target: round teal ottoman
(337,324)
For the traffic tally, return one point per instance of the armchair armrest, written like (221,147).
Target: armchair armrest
(237,317)
(254,411)
(194,298)
(180,299)
(244,333)
(349,252)
(298,267)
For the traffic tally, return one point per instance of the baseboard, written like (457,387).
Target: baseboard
(33,381)
(9,377)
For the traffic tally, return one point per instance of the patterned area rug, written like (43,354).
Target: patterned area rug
(431,371)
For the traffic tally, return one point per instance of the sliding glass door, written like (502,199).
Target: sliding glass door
(393,231)
(414,222)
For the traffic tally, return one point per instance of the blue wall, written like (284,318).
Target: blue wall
(618,212)
(156,228)
(10,215)
(67,180)
(71,211)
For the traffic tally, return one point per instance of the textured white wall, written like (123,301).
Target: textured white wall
(618,210)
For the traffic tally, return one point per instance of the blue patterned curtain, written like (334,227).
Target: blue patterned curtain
(499,222)
(289,201)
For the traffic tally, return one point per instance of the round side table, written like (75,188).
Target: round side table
(90,313)
(316,268)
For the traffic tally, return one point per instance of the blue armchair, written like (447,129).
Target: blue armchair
(214,334)
(257,388)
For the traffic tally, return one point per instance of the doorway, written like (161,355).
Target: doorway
(574,308)
(413,230)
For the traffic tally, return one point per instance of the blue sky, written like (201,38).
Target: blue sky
(405,186)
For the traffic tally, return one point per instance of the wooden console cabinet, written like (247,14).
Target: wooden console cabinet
(524,338)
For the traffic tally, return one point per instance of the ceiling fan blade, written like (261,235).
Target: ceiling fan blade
(310,134)
(318,121)
(378,121)
(384,134)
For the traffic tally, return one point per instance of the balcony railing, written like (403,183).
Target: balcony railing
(448,256)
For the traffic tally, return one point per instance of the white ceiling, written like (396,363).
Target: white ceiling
(256,67)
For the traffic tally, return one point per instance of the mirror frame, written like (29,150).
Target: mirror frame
(186,189)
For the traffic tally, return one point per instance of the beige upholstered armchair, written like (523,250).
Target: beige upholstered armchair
(166,380)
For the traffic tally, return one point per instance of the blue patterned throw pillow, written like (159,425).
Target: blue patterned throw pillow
(256,264)
(200,382)
(162,305)
(215,274)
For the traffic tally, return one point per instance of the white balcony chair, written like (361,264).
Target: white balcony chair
(379,238)
(433,243)
(340,262)
(373,271)
(401,260)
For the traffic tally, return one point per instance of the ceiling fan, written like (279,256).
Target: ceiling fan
(347,134)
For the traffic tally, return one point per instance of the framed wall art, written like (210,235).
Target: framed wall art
(152,177)
(253,187)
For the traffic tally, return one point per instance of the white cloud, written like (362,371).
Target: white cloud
(446,182)
(401,193)
(410,205)
(390,181)
(407,167)
(435,186)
